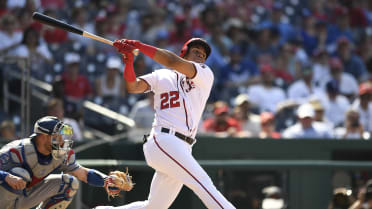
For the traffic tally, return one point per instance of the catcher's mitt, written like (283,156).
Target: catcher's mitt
(117,181)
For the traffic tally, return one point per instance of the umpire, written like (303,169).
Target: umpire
(26,168)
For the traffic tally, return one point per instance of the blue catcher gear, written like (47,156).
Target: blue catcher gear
(61,134)
(48,125)
(67,190)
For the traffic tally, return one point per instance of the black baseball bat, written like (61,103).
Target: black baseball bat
(45,19)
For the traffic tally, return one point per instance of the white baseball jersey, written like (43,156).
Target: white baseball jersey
(179,101)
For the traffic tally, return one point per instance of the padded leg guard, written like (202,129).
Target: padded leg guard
(67,190)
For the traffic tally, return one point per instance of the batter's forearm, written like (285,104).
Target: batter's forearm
(161,56)
(166,58)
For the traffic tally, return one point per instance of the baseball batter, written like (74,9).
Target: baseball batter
(180,96)
(26,166)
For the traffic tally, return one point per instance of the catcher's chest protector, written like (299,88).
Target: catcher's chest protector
(27,156)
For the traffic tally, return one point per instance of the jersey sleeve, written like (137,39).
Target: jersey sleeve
(151,79)
(5,161)
(9,156)
(204,76)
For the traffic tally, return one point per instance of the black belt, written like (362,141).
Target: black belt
(187,139)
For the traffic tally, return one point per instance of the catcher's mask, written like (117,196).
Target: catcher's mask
(61,135)
(195,41)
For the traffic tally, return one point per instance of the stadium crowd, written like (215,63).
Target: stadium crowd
(283,69)
(269,58)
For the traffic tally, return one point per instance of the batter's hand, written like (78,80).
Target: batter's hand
(123,47)
(134,43)
(128,58)
(15,182)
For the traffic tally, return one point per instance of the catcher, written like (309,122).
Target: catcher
(26,168)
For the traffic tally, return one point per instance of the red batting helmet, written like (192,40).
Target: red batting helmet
(195,41)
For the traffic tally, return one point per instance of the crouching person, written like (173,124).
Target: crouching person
(41,171)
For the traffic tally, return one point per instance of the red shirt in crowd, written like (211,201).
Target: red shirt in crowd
(212,125)
(79,88)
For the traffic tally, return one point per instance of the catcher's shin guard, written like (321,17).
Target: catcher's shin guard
(66,192)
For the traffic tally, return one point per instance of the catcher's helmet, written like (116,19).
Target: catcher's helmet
(48,125)
(61,134)
(195,41)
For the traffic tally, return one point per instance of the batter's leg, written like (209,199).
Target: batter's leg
(55,191)
(163,192)
(180,164)
(201,184)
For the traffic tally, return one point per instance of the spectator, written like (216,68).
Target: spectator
(3,8)
(55,108)
(237,73)
(306,128)
(35,51)
(9,35)
(308,32)
(143,115)
(249,121)
(220,41)
(273,198)
(265,95)
(181,31)
(276,20)
(319,113)
(53,4)
(341,28)
(364,199)
(53,35)
(352,63)
(335,104)
(221,124)
(76,85)
(142,112)
(341,198)
(301,90)
(285,114)
(158,25)
(348,85)
(80,20)
(321,34)
(364,105)
(268,126)
(8,130)
(263,49)
(352,129)
(286,65)
(321,67)
(111,84)
(101,29)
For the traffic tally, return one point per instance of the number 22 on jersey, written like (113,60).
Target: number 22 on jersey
(169,100)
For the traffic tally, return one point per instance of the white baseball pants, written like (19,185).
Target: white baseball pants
(175,166)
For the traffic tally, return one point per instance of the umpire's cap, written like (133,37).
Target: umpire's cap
(195,41)
(48,125)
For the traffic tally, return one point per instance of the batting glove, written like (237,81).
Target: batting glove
(134,43)
(123,47)
(128,58)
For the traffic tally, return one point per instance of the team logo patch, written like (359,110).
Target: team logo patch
(4,159)
(187,84)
